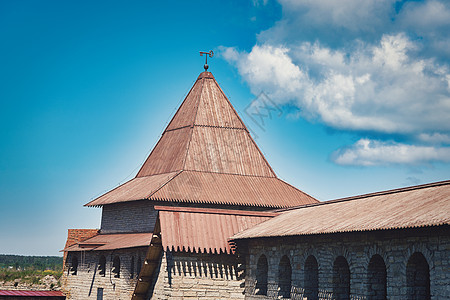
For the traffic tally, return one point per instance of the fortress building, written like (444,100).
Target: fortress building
(207,218)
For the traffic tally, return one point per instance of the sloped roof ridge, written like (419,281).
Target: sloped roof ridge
(363,196)
(216,211)
(179,108)
(188,144)
(243,124)
(234,174)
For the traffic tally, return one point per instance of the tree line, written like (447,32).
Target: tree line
(19,262)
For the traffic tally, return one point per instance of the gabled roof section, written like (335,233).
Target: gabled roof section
(207,135)
(206,155)
(418,206)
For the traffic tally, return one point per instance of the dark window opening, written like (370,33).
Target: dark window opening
(74,265)
(132,267)
(341,279)
(99,293)
(376,278)
(311,279)
(139,265)
(102,265)
(261,276)
(284,278)
(116,267)
(418,277)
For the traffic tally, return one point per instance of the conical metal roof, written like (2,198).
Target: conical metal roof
(206,155)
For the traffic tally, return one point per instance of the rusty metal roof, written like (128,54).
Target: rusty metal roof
(22,293)
(206,148)
(418,206)
(112,241)
(204,230)
(206,134)
(213,188)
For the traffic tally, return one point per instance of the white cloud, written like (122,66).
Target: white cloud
(425,16)
(435,138)
(378,88)
(369,153)
(377,67)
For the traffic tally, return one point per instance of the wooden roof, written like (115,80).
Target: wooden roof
(206,155)
(417,206)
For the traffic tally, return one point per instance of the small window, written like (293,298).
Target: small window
(139,265)
(99,293)
(116,267)
(132,267)
(74,266)
(102,266)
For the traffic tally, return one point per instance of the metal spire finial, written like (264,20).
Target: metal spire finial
(211,54)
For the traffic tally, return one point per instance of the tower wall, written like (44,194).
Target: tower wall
(88,281)
(134,216)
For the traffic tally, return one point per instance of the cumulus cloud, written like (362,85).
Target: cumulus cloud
(367,152)
(361,67)
(375,88)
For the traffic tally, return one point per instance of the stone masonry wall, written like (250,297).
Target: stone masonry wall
(395,248)
(135,216)
(185,275)
(88,281)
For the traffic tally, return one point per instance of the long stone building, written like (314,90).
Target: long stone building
(207,218)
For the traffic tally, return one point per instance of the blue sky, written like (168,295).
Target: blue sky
(360,92)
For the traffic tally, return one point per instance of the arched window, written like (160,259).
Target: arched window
(139,265)
(341,279)
(102,265)
(132,267)
(284,278)
(311,279)
(74,265)
(376,276)
(116,267)
(418,277)
(261,276)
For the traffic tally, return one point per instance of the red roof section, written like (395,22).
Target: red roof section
(21,293)
(207,148)
(418,206)
(75,236)
(203,187)
(112,241)
(204,230)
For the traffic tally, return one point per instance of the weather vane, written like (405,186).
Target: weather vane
(211,54)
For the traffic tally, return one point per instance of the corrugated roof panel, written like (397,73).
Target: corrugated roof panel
(427,205)
(224,150)
(113,241)
(187,111)
(136,189)
(215,109)
(22,293)
(169,154)
(203,230)
(202,187)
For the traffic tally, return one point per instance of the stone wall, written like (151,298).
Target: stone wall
(88,281)
(185,275)
(361,254)
(135,216)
